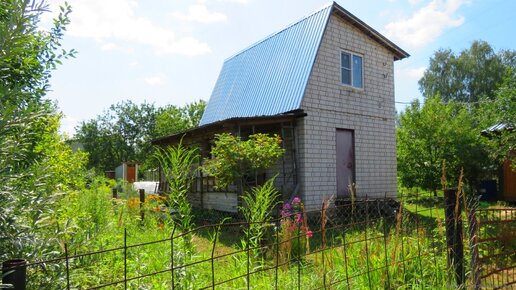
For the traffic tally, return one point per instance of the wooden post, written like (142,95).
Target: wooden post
(142,201)
(454,234)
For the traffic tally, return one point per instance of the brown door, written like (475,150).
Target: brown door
(509,182)
(345,162)
(131,173)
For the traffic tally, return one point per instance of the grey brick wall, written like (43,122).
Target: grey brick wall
(370,112)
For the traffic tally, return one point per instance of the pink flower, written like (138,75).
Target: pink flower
(298,218)
(287,206)
(296,200)
(309,234)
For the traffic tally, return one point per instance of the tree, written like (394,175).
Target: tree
(435,132)
(474,74)
(122,133)
(34,161)
(233,158)
(173,119)
(501,111)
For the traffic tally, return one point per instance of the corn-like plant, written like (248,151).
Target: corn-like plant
(177,163)
(258,205)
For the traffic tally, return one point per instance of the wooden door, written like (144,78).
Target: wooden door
(345,146)
(509,182)
(131,173)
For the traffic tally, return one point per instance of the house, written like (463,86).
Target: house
(326,85)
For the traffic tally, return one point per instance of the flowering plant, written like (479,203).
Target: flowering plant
(295,233)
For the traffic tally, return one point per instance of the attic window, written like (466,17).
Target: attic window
(351,69)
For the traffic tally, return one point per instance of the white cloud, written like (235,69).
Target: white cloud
(200,13)
(414,2)
(155,80)
(426,24)
(237,1)
(117,20)
(108,46)
(411,73)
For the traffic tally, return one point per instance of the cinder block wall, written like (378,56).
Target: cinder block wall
(370,112)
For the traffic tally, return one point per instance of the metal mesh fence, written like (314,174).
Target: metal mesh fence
(364,243)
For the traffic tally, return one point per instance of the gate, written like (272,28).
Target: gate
(494,248)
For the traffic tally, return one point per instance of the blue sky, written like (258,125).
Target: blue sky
(171,51)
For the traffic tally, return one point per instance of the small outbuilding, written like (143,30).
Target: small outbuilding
(507,175)
(127,172)
(325,84)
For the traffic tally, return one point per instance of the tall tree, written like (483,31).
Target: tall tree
(34,161)
(434,132)
(475,73)
(122,133)
(173,119)
(502,112)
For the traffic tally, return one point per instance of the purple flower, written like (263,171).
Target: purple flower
(296,200)
(287,206)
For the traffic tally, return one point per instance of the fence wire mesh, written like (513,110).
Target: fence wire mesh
(360,243)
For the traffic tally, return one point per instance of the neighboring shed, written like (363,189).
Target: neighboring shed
(507,176)
(326,85)
(127,172)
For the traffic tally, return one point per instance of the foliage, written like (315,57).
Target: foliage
(471,76)
(28,54)
(120,134)
(177,163)
(35,164)
(408,252)
(173,119)
(502,110)
(434,132)
(124,132)
(259,203)
(233,158)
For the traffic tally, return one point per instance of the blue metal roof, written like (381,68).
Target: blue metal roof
(270,77)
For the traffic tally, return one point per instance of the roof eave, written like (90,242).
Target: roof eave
(231,121)
(398,52)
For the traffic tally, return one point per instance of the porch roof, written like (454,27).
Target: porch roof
(224,125)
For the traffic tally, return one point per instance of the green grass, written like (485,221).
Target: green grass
(407,252)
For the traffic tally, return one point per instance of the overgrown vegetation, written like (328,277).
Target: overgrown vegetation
(233,158)
(36,167)
(178,165)
(257,211)
(465,94)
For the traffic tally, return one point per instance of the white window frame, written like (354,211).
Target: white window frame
(352,74)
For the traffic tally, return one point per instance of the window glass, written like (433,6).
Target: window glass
(346,76)
(351,71)
(345,63)
(357,71)
(345,59)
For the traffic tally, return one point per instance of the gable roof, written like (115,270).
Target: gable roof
(270,77)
